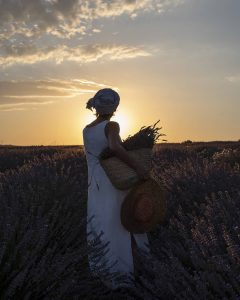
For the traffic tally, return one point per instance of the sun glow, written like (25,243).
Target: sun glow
(124,122)
(120,116)
(88,118)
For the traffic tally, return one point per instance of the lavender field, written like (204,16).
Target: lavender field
(195,253)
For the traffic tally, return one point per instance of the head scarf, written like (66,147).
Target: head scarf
(105,101)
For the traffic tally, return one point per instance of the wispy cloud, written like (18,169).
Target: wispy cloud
(40,30)
(233,79)
(23,105)
(30,54)
(67,18)
(20,95)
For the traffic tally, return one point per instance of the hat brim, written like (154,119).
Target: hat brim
(158,196)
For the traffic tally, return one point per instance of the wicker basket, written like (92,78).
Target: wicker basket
(120,174)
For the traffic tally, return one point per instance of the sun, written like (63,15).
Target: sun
(123,119)
(121,116)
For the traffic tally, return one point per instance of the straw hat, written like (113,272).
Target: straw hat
(143,207)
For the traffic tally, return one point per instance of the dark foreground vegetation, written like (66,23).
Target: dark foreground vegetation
(195,252)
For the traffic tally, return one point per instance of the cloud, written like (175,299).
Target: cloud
(96,30)
(92,53)
(66,18)
(40,30)
(30,53)
(21,95)
(233,79)
(25,106)
(24,53)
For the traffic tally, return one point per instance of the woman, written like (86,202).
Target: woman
(104,200)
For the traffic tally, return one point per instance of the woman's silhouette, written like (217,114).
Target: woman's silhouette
(104,200)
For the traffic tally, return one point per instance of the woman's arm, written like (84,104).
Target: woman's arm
(116,147)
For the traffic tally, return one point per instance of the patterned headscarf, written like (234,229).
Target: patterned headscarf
(105,101)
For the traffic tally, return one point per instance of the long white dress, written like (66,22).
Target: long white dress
(104,202)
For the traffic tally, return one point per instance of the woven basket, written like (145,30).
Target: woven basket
(122,175)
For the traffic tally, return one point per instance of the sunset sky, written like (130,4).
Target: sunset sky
(173,60)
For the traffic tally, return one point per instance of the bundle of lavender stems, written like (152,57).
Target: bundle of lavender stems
(146,137)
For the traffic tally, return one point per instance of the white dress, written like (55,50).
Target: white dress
(104,202)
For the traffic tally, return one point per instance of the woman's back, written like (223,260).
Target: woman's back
(94,139)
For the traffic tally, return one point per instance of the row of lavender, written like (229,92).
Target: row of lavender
(197,249)
(195,252)
(12,157)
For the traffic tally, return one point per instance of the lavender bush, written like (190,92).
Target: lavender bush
(12,157)
(43,253)
(195,253)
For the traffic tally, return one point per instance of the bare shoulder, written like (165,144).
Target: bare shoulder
(112,127)
(113,124)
